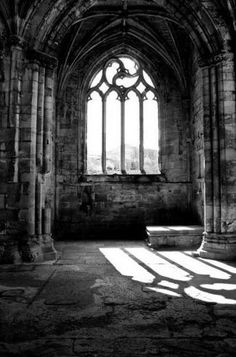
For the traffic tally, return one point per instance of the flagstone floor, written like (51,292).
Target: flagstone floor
(118,299)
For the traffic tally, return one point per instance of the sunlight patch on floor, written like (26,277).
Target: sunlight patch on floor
(221,265)
(164,291)
(159,265)
(194,265)
(126,265)
(217,286)
(169,264)
(168,284)
(198,294)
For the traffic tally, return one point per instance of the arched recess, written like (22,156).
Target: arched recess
(210,44)
(194,17)
(210,32)
(162,74)
(146,65)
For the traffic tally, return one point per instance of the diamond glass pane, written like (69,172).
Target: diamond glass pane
(104,87)
(141,87)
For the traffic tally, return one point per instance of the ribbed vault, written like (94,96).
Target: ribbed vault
(73,29)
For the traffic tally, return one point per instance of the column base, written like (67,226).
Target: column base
(219,246)
(19,249)
(38,249)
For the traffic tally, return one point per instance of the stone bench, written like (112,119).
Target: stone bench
(174,236)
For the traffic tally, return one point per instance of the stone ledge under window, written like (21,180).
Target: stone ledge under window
(123,178)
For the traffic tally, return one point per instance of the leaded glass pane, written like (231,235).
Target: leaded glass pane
(150,111)
(94,134)
(122,119)
(113,133)
(132,134)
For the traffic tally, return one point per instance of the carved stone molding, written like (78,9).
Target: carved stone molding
(215,59)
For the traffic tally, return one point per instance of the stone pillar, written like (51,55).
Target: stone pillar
(48,119)
(39,151)
(37,245)
(207,125)
(48,178)
(11,63)
(186,111)
(29,246)
(40,119)
(219,240)
(32,157)
(15,83)
(45,154)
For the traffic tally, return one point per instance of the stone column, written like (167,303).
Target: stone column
(39,151)
(33,142)
(14,104)
(214,109)
(48,174)
(11,63)
(219,241)
(28,244)
(227,136)
(13,78)
(208,177)
(48,119)
(37,176)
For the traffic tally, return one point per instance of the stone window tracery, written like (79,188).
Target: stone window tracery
(122,119)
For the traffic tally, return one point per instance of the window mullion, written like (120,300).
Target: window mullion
(122,150)
(141,145)
(104,154)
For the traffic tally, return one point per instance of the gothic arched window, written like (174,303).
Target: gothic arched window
(122,120)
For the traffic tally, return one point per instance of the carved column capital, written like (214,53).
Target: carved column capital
(215,59)
(16,41)
(42,58)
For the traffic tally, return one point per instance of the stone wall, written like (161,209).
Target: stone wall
(117,204)
(116,207)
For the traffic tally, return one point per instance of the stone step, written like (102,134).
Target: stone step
(174,236)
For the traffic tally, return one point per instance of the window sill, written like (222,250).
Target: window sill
(137,178)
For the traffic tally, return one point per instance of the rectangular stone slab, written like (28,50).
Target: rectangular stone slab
(174,236)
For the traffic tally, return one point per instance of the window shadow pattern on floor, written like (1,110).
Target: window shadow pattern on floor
(176,273)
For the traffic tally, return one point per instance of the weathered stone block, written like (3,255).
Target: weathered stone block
(174,236)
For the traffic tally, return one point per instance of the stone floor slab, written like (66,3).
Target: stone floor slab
(90,304)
